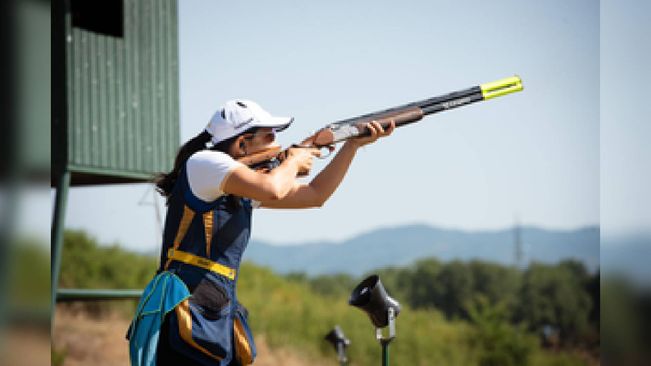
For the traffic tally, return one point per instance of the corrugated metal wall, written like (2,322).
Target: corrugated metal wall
(123,94)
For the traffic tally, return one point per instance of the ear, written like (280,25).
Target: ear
(240,146)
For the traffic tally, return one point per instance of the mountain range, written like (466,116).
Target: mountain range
(627,255)
(401,246)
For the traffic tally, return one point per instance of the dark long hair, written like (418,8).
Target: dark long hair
(165,181)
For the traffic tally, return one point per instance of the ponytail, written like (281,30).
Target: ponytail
(165,182)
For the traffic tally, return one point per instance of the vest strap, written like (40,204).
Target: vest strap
(191,259)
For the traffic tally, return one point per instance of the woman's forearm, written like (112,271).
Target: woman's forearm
(283,178)
(327,181)
(262,187)
(319,190)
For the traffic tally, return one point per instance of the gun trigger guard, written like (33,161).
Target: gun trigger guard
(330,148)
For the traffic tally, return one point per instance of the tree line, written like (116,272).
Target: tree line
(559,302)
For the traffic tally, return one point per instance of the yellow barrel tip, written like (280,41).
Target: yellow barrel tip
(501,87)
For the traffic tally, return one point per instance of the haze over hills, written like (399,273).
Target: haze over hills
(400,246)
(628,255)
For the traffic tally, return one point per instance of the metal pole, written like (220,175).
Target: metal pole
(60,203)
(341,354)
(71,294)
(385,352)
(384,341)
(61,26)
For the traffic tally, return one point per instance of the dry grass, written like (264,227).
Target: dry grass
(99,341)
(89,340)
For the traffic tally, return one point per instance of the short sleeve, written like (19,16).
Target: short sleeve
(207,170)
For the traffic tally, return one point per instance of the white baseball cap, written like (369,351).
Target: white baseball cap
(237,116)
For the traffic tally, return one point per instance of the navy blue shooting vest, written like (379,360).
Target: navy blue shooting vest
(203,244)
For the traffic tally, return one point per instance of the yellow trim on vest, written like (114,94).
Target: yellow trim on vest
(242,347)
(185,327)
(207,226)
(501,87)
(204,263)
(184,225)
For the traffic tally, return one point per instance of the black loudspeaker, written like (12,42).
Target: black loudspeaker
(337,336)
(339,342)
(371,297)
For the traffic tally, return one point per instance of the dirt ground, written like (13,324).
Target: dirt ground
(88,340)
(25,346)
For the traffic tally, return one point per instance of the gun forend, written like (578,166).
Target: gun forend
(335,133)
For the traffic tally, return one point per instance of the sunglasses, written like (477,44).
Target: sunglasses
(266,136)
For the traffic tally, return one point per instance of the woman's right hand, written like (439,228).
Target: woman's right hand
(303,157)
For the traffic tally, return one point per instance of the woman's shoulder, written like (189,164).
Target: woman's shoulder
(206,171)
(211,155)
(211,159)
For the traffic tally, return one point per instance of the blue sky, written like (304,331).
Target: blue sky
(625,109)
(534,155)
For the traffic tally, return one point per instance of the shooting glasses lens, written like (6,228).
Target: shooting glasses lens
(266,136)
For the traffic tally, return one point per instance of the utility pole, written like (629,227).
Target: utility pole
(519,254)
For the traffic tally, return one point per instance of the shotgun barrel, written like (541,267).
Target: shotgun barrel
(402,115)
(413,112)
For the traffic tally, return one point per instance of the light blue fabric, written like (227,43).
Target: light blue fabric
(163,293)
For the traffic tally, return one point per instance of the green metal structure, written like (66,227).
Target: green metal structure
(115,105)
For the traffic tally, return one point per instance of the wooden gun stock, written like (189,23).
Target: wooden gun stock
(261,156)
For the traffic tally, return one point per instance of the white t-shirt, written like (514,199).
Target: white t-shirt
(207,170)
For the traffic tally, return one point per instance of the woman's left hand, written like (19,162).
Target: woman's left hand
(376,132)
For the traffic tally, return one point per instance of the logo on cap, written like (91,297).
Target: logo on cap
(237,127)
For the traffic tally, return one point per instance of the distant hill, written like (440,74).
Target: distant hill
(403,245)
(629,256)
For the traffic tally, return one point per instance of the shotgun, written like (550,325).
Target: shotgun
(339,131)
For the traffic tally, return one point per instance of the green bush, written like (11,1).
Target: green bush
(29,276)
(501,344)
(87,265)
(58,357)
(564,296)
